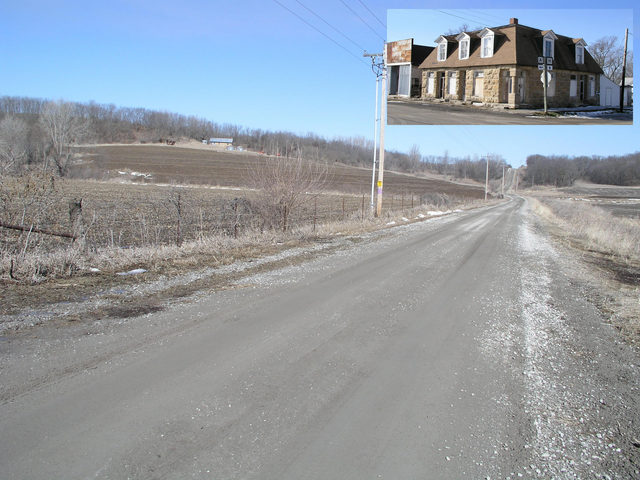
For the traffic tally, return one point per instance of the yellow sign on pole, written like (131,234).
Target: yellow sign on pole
(379,183)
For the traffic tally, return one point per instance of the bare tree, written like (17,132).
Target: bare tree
(63,128)
(414,157)
(14,145)
(283,184)
(608,53)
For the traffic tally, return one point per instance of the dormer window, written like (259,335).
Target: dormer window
(486,43)
(463,49)
(548,43)
(580,44)
(442,52)
(442,48)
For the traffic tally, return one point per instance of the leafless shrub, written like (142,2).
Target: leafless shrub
(14,148)
(63,127)
(283,184)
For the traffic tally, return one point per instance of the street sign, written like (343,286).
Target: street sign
(548,77)
(540,59)
(549,60)
(540,67)
(549,67)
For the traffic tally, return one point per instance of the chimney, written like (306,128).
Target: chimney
(513,21)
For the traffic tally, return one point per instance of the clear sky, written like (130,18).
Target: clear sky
(256,64)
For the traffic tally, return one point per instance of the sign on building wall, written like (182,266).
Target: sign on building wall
(399,51)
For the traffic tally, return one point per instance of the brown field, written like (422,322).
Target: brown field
(197,166)
(620,201)
(185,195)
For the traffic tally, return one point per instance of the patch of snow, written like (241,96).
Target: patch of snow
(391,223)
(135,271)
(404,219)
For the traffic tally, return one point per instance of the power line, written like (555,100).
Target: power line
(373,14)
(334,28)
(482,13)
(457,16)
(362,20)
(322,33)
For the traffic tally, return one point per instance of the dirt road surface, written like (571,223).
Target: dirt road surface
(460,347)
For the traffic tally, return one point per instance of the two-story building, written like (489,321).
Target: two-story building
(501,65)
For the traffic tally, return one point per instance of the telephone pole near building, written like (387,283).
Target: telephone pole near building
(378,69)
(486,181)
(383,114)
(624,69)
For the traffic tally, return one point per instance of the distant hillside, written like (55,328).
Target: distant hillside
(562,171)
(23,124)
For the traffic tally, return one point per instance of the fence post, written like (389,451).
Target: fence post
(362,214)
(342,208)
(315,212)
(235,220)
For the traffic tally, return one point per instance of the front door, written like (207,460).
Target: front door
(441,78)
(521,87)
(582,82)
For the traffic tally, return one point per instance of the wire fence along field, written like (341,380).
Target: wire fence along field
(45,215)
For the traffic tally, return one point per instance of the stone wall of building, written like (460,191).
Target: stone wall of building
(497,80)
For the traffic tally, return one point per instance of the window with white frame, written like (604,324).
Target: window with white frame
(442,51)
(487,46)
(573,86)
(452,83)
(579,54)
(464,49)
(431,83)
(548,44)
(478,83)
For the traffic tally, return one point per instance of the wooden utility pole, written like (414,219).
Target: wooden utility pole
(486,182)
(624,68)
(503,180)
(383,120)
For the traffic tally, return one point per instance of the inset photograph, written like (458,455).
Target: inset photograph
(535,67)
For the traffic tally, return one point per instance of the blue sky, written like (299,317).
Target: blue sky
(255,64)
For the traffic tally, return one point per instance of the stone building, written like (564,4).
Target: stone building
(502,65)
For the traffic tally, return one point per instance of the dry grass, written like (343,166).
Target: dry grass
(595,228)
(211,248)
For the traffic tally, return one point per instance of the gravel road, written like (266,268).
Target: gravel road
(459,347)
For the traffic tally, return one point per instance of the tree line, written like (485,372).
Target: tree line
(40,131)
(562,171)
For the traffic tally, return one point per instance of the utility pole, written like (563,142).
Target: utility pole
(383,114)
(503,181)
(486,182)
(517,178)
(624,68)
(377,67)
